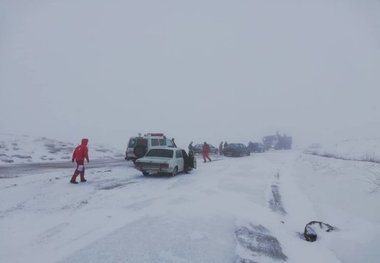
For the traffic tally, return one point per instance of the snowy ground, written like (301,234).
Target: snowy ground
(350,149)
(249,209)
(17,149)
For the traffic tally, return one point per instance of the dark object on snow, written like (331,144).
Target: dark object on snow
(244,260)
(256,241)
(310,232)
(275,203)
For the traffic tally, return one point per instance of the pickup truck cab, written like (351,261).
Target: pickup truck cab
(166,160)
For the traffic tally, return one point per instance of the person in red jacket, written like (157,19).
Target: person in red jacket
(79,155)
(205,152)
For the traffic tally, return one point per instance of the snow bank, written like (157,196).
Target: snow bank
(349,149)
(17,149)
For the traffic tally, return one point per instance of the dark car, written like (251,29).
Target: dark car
(256,147)
(236,149)
(198,149)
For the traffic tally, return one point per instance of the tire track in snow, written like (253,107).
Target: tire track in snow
(275,202)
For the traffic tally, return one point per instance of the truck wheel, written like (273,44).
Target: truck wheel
(145,173)
(175,171)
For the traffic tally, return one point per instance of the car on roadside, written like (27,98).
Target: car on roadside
(236,150)
(166,160)
(199,147)
(256,147)
(138,146)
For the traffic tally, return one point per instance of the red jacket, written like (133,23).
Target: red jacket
(81,152)
(205,149)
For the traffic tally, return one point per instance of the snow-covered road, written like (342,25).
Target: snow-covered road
(230,210)
(25,169)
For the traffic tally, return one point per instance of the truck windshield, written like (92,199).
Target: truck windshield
(160,153)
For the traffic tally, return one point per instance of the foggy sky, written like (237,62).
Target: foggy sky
(196,70)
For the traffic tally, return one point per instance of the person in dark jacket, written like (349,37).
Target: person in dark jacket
(205,152)
(225,144)
(221,148)
(174,143)
(79,155)
(191,147)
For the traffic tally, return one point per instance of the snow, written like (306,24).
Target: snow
(350,149)
(17,149)
(230,210)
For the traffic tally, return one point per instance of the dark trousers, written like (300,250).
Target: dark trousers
(79,171)
(205,156)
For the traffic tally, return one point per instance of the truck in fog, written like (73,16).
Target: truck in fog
(277,142)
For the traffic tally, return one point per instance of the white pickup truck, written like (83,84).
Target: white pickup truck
(166,160)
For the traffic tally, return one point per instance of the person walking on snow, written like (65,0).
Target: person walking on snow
(174,143)
(79,155)
(191,147)
(221,148)
(206,151)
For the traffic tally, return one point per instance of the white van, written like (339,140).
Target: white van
(139,145)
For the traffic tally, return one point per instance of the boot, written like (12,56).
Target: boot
(82,179)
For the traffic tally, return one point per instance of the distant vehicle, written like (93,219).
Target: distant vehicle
(198,148)
(236,149)
(277,142)
(139,145)
(166,160)
(256,147)
(270,141)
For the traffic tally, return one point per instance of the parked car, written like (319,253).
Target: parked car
(166,160)
(236,149)
(198,148)
(256,147)
(139,145)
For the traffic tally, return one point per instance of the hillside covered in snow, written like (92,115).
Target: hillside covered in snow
(367,150)
(17,149)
